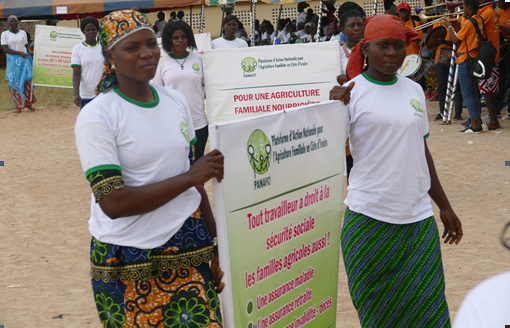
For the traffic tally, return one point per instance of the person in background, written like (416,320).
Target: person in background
(160,23)
(15,47)
(335,29)
(504,64)
(301,10)
(173,17)
(148,204)
(300,29)
(442,62)
(466,39)
(281,32)
(307,37)
(182,71)
(390,8)
(490,86)
(180,16)
(404,12)
(87,62)
(229,28)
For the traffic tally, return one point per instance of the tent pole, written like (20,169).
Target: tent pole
(191,16)
(278,22)
(201,29)
(252,14)
(78,20)
(222,17)
(318,34)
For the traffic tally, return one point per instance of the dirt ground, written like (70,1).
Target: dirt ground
(45,200)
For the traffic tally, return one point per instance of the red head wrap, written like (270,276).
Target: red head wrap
(377,28)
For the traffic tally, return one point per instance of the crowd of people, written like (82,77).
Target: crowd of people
(153,231)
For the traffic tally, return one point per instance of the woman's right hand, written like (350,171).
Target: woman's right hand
(24,55)
(77,100)
(207,167)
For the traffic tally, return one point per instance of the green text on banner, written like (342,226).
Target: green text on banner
(52,55)
(251,81)
(278,213)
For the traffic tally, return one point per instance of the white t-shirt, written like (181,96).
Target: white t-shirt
(300,33)
(301,18)
(222,43)
(187,81)
(344,51)
(388,123)
(284,36)
(148,143)
(306,38)
(15,41)
(336,37)
(487,305)
(91,61)
(160,24)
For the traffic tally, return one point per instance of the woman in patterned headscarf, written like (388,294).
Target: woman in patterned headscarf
(151,222)
(390,241)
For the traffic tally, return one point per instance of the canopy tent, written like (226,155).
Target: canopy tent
(71,9)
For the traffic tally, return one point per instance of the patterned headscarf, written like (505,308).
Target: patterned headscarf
(115,27)
(377,28)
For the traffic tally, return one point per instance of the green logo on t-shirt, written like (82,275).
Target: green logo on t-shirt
(195,67)
(184,131)
(53,34)
(416,105)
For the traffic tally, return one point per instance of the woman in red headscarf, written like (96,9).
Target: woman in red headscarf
(390,240)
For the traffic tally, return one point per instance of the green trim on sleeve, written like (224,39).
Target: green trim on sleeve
(4,45)
(102,167)
(426,136)
(138,103)
(75,65)
(192,142)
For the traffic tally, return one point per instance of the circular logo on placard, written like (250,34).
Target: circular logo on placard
(53,34)
(249,64)
(259,151)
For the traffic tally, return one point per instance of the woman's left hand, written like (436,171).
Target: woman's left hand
(217,274)
(341,93)
(452,227)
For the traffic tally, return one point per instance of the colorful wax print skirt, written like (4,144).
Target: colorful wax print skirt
(395,272)
(168,286)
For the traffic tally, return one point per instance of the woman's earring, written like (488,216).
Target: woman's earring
(365,63)
(112,65)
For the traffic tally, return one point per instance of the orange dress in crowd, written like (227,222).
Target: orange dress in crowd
(413,47)
(469,38)
(491,21)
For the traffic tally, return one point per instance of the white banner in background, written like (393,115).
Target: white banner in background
(278,214)
(250,81)
(52,55)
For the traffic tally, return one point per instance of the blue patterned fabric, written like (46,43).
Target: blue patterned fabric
(395,272)
(19,71)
